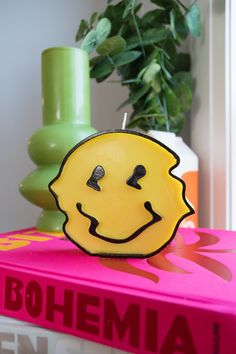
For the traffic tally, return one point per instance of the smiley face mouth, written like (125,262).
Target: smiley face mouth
(94,224)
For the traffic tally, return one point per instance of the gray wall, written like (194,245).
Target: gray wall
(26,28)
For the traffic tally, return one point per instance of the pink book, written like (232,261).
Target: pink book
(182,300)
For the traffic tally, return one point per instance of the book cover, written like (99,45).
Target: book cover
(17,337)
(182,300)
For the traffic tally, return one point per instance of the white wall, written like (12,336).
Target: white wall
(26,28)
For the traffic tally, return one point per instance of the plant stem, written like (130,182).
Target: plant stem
(114,65)
(121,29)
(138,32)
(181,4)
(166,115)
(111,61)
(149,115)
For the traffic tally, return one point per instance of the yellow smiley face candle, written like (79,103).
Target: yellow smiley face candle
(119,195)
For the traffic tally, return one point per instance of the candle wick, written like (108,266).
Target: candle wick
(124,121)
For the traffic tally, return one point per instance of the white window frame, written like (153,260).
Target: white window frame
(212,126)
(230,15)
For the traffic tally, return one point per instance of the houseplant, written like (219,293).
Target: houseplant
(145,51)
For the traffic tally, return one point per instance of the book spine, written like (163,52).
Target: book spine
(115,318)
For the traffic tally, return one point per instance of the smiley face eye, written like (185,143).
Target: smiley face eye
(139,172)
(97,174)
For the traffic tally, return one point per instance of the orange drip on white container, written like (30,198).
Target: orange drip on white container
(188,170)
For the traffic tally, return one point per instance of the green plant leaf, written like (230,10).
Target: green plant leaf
(102,69)
(111,46)
(181,27)
(138,121)
(135,122)
(83,28)
(154,18)
(93,18)
(151,72)
(130,81)
(153,56)
(114,14)
(141,116)
(126,72)
(126,57)
(129,4)
(95,60)
(183,77)
(137,7)
(172,23)
(151,36)
(90,41)
(183,62)
(135,97)
(176,123)
(147,121)
(170,50)
(164,3)
(166,72)
(172,103)
(103,78)
(157,84)
(193,20)
(103,29)
(184,95)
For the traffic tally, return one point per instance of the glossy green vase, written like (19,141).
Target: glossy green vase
(66,121)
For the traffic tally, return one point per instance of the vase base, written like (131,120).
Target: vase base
(51,220)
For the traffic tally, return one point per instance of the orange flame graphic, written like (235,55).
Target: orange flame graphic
(123,266)
(192,252)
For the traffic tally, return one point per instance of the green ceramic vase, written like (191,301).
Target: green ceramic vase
(66,121)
